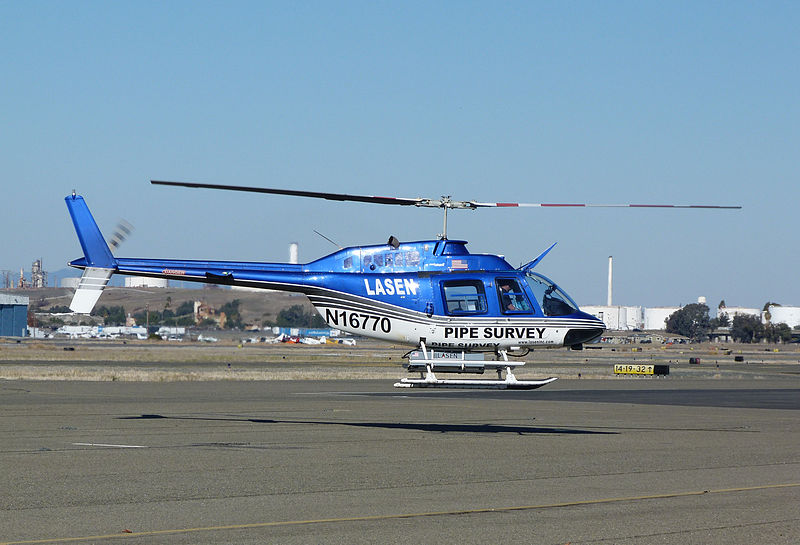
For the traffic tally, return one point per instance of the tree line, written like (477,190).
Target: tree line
(693,321)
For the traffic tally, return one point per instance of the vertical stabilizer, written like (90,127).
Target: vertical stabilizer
(95,248)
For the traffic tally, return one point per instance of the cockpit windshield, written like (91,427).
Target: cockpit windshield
(552,300)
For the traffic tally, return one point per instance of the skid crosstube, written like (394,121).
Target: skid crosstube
(428,362)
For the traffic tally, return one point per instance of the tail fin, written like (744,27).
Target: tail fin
(95,248)
(98,263)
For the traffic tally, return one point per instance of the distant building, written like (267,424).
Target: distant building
(13,315)
(145,282)
(38,275)
(731,312)
(204,311)
(783,315)
(618,318)
(615,318)
(655,318)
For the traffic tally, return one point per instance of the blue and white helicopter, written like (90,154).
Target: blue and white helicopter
(452,306)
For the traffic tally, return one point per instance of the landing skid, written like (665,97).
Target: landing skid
(430,363)
(431,381)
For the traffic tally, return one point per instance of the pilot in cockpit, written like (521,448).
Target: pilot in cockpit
(507,299)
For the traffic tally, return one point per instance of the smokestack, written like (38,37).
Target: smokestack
(294,253)
(610,274)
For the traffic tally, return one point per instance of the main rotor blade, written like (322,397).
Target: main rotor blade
(296,193)
(444,202)
(577,205)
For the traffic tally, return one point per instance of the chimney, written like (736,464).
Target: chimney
(610,274)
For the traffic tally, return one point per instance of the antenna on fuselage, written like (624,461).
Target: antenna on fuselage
(339,246)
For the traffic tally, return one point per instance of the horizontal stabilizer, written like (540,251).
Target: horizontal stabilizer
(90,288)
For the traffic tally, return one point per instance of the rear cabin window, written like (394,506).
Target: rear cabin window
(464,297)
(512,297)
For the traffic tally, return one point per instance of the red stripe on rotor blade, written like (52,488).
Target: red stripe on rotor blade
(507,204)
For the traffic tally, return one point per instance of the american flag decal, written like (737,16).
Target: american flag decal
(458,264)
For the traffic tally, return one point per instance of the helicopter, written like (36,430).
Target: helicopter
(452,306)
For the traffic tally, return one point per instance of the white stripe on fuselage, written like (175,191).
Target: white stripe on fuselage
(458,333)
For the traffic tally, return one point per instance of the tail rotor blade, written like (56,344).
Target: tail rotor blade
(121,232)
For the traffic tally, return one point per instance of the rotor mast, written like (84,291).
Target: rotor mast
(445,203)
(444,229)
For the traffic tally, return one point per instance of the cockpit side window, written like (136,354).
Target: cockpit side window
(551,298)
(512,297)
(464,297)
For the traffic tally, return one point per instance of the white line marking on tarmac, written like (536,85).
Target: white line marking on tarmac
(107,445)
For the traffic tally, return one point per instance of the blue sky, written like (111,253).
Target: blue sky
(600,102)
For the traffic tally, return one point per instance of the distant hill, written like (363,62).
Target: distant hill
(254,307)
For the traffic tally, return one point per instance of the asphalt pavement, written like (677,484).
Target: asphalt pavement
(671,460)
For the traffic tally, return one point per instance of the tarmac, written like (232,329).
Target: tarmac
(671,460)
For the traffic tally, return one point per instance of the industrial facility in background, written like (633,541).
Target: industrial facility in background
(630,318)
(637,318)
(36,280)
